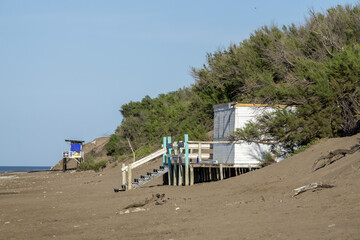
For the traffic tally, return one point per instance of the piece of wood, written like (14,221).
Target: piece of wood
(210,142)
(334,156)
(170,164)
(146,159)
(175,173)
(201,156)
(64,164)
(311,186)
(221,172)
(203,145)
(129,177)
(186,139)
(191,175)
(199,152)
(186,175)
(164,147)
(175,150)
(190,155)
(169,174)
(180,173)
(123,173)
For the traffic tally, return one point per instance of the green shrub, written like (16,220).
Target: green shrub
(267,160)
(98,165)
(90,164)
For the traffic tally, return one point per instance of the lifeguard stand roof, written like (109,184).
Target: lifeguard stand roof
(74,141)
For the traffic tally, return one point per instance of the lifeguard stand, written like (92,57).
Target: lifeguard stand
(75,153)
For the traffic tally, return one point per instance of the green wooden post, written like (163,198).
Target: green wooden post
(170,173)
(175,167)
(186,139)
(164,155)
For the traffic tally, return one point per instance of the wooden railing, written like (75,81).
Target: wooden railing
(128,169)
(173,155)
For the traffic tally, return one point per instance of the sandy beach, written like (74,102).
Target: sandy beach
(256,205)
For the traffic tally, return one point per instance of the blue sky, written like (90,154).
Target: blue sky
(66,67)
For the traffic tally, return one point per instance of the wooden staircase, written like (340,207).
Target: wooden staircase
(146,178)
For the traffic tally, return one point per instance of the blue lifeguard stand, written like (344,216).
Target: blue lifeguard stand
(76,153)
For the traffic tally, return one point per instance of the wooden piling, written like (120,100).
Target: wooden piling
(64,164)
(169,174)
(174,174)
(191,175)
(123,173)
(221,172)
(129,177)
(180,181)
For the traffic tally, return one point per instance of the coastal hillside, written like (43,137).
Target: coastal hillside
(256,205)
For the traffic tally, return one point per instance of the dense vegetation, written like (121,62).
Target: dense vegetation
(315,67)
(147,121)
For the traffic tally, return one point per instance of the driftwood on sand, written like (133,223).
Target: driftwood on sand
(334,156)
(155,198)
(311,186)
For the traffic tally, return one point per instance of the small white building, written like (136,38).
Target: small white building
(227,118)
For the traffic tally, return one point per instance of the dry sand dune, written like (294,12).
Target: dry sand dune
(256,205)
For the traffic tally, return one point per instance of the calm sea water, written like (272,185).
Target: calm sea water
(23,168)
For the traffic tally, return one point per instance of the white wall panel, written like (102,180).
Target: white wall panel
(227,119)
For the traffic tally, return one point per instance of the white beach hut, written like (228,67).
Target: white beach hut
(227,118)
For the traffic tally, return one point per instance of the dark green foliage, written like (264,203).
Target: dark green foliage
(113,146)
(315,67)
(147,121)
